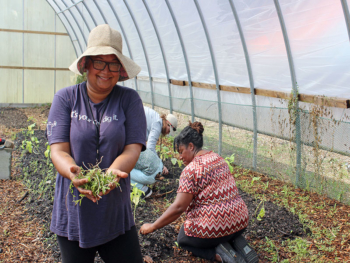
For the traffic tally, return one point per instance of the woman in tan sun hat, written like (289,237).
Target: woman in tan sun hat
(97,121)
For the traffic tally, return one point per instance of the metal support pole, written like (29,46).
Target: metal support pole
(163,54)
(215,72)
(75,34)
(295,93)
(71,39)
(23,53)
(185,57)
(92,17)
(251,82)
(67,8)
(125,37)
(82,16)
(144,51)
(81,31)
(346,15)
(100,11)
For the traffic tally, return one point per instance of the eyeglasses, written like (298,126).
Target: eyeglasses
(101,65)
(170,125)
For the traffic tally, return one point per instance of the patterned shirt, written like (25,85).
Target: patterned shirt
(216,210)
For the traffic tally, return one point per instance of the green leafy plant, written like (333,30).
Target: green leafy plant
(135,197)
(175,160)
(98,181)
(48,151)
(81,78)
(30,145)
(229,160)
(255,179)
(163,151)
(261,212)
(265,185)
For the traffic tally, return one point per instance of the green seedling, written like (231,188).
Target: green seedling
(266,186)
(262,211)
(98,181)
(255,179)
(163,151)
(175,160)
(229,160)
(135,197)
(48,151)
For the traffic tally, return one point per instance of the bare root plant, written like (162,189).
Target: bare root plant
(99,181)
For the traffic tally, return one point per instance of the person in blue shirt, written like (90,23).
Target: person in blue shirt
(97,121)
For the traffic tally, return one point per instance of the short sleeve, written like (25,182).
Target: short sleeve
(187,182)
(59,120)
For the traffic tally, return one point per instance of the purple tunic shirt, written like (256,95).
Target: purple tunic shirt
(122,123)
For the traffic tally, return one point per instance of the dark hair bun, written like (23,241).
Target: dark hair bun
(197,126)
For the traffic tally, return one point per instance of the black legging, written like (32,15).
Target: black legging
(124,248)
(203,247)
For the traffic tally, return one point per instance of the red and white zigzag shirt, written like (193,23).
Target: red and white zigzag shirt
(217,209)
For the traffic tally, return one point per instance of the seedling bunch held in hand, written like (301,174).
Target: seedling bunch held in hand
(98,181)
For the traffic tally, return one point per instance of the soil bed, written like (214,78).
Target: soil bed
(26,205)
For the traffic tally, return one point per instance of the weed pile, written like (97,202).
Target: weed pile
(99,181)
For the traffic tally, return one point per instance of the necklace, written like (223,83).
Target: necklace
(96,121)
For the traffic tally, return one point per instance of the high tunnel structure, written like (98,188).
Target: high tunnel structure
(260,66)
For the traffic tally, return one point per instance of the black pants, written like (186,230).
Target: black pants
(203,247)
(124,248)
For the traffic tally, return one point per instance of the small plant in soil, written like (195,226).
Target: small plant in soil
(135,197)
(229,160)
(163,151)
(98,181)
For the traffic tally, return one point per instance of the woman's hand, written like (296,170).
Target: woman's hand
(118,175)
(147,228)
(74,171)
(165,170)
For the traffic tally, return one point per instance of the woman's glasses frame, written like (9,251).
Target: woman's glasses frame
(101,65)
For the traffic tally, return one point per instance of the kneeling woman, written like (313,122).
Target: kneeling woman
(216,215)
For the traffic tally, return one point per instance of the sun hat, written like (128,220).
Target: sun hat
(104,40)
(173,121)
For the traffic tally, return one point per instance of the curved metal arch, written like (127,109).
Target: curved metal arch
(81,31)
(100,11)
(346,15)
(76,51)
(74,4)
(215,72)
(185,56)
(144,51)
(251,82)
(88,10)
(295,91)
(125,37)
(163,54)
(82,16)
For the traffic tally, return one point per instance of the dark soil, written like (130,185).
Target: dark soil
(36,199)
(13,118)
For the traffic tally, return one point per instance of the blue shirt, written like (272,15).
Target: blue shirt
(122,123)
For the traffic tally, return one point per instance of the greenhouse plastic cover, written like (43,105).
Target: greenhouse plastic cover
(317,35)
